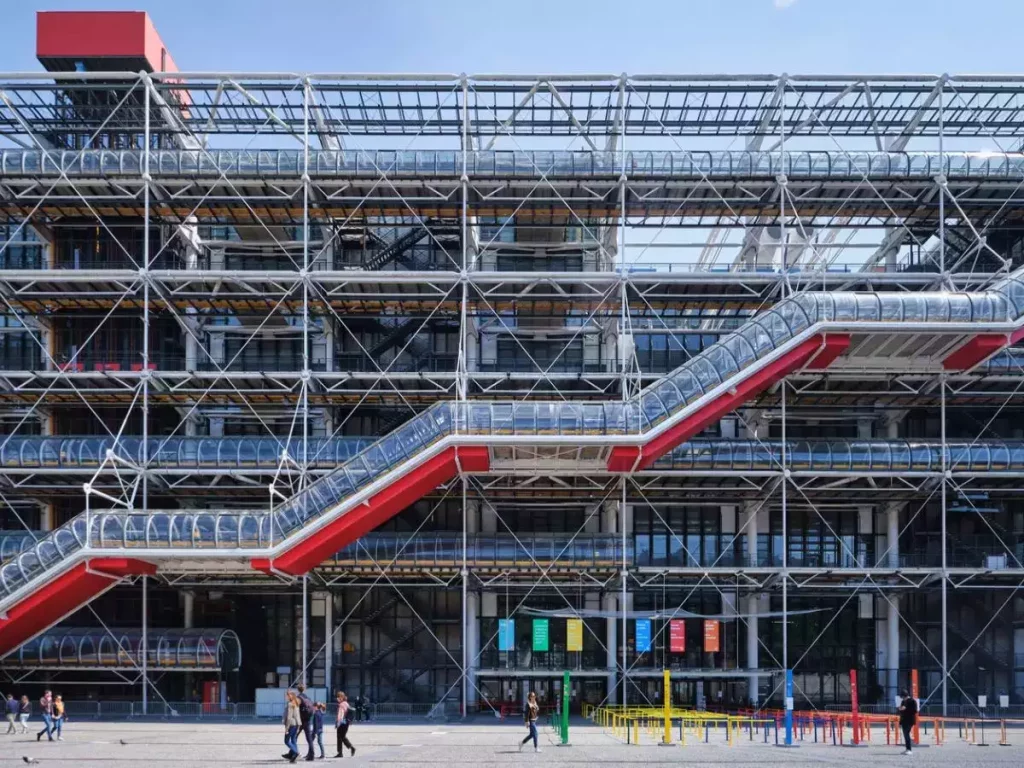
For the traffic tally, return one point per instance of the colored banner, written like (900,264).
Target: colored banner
(677,636)
(789,708)
(711,643)
(854,706)
(574,635)
(643,635)
(540,635)
(915,691)
(506,634)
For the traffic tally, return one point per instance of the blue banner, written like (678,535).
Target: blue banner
(506,634)
(789,707)
(643,635)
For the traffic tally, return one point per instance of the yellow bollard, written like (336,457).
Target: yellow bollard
(636,731)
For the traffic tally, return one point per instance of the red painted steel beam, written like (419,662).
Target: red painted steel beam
(980,348)
(64,594)
(817,352)
(382,506)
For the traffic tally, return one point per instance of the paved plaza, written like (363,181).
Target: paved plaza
(479,744)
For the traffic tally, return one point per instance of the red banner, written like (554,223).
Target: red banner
(915,691)
(710,636)
(854,704)
(677,636)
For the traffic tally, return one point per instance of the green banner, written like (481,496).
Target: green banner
(540,634)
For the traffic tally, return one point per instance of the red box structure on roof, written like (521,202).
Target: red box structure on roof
(101,35)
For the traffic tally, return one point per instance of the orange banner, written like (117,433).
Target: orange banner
(711,644)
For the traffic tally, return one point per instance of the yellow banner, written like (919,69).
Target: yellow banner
(574,634)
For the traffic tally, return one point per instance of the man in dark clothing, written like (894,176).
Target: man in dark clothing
(908,719)
(12,713)
(306,708)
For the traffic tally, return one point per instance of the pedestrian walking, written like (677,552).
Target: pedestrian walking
(908,719)
(24,710)
(306,708)
(292,721)
(58,716)
(11,710)
(341,723)
(11,707)
(358,702)
(46,709)
(531,712)
(366,708)
(318,726)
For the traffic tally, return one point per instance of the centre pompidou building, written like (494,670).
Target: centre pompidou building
(433,387)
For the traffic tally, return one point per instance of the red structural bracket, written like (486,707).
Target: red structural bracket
(980,348)
(383,505)
(816,353)
(63,595)
(833,345)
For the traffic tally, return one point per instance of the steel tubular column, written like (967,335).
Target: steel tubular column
(462,373)
(466,661)
(306,368)
(945,575)
(943,488)
(147,88)
(144,644)
(462,387)
(305,627)
(785,564)
(623,377)
(622,640)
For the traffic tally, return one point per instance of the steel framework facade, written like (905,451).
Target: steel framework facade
(217,290)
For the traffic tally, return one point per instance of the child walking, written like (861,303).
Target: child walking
(318,726)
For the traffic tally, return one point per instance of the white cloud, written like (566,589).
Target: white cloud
(783,4)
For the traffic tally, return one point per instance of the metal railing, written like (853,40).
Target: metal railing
(194,710)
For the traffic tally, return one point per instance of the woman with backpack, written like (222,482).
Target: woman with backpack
(341,722)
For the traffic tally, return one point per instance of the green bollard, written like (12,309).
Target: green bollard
(565,710)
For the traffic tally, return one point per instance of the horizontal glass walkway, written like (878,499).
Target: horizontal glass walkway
(175,452)
(763,341)
(699,454)
(166,650)
(562,164)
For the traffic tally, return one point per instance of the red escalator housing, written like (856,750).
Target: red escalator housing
(385,504)
(816,353)
(63,595)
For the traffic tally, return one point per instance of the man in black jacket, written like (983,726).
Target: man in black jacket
(306,720)
(908,719)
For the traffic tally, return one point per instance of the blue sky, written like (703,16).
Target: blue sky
(735,36)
